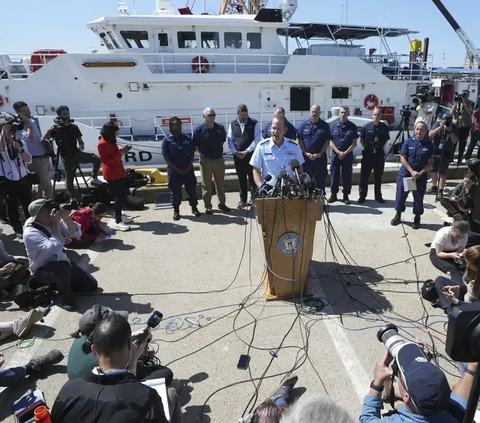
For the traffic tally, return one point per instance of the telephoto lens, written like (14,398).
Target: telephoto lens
(390,337)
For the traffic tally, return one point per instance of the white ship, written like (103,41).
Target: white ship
(175,63)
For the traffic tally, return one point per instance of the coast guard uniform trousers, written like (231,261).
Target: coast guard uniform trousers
(418,195)
(346,168)
(175,183)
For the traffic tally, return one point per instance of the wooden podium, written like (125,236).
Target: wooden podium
(288,228)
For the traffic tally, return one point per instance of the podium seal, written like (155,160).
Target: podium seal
(290,244)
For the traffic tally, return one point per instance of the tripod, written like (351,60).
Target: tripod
(401,134)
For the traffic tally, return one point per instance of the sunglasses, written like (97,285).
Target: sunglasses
(212,115)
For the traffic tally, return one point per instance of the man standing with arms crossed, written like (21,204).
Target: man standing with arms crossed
(243,136)
(343,142)
(462,112)
(209,139)
(313,138)
(375,135)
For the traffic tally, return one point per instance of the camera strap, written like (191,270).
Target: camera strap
(41,228)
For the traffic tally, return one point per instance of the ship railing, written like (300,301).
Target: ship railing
(401,67)
(124,123)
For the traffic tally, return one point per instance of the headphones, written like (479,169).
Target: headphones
(96,311)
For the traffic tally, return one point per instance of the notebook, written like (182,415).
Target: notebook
(161,388)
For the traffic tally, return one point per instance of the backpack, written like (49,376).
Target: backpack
(133,202)
(134,179)
(99,194)
(25,296)
(429,292)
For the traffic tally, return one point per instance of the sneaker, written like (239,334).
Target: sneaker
(250,203)
(242,204)
(396,220)
(195,212)
(95,182)
(416,222)
(439,196)
(208,210)
(332,199)
(19,236)
(432,190)
(361,200)
(49,359)
(126,219)
(380,200)
(284,390)
(66,303)
(22,325)
(346,200)
(224,208)
(176,215)
(121,226)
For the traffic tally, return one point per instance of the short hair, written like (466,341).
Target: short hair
(317,106)
(282,119)
(242,108)
(60,109)
(460,227)
(470,175)
(268,413)
(377,108)
(347,109)
(18,105)
(173,120)
(422,123)
(108,132)
(314,408)
(280,109)
(111,334)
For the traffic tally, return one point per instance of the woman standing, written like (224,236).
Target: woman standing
(114,171)
(17,185)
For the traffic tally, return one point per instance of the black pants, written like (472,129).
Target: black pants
(118,188)
(447,265)
(372,161)
(451,207)
(244,170)
(71,165)
(463,134)
(475,137)
(67,277)
(442,281)
(16,192)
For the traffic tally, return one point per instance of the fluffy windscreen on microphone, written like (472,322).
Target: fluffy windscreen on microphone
(305,178)
(294,164)
(268,177)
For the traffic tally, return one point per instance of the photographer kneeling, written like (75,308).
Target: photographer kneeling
(44,238)
(110,390)
(67,135)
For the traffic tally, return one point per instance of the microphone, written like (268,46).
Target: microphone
(295,165)
(278,183)
(262,188)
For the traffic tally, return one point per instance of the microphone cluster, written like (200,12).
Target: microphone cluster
(286,186)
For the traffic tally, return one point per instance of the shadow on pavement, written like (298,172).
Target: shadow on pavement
(217,219)
(339,207)
(160,228)
(430,226)
(115,300)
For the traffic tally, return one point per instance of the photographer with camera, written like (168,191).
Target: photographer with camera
(45,234)
(114,171)
(462,116)
(16,184)
(111,391)
(427,109)
(444,134)
(474,134)
(70,146)
(29,132)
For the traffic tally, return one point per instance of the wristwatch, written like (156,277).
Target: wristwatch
(377,388)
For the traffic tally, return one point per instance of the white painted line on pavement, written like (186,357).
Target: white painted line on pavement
(24,355)
(345,350)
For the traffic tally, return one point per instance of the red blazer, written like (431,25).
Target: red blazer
(112,166)
(85,219)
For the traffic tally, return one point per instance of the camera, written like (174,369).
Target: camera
(458,97)
(405,112)
(463,334)
(128,147)
(60,123)
(18,123)
(52,205)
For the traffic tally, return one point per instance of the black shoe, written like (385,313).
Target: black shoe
(432,190)
(346,200)
(242,204)
(49,359)
(176,215)
(332,199)
(380,200)
(284,390)
(396,220)
(416,222)
(224,208)
(439,196)
(66,303)
(361,200)
(208,210)
(195,212)
(250,203)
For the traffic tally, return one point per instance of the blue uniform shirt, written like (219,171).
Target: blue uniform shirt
(291,131)
(209,141)
(343,134)
(314,135)
(375,136)
(179,150)
(417,153)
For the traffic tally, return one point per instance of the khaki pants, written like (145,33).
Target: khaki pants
(215,167)
(41,166)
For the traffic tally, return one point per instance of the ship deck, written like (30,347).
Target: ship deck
(205,276)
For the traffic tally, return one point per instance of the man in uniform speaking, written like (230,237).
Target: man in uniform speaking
(275,153)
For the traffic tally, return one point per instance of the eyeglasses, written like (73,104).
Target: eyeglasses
(212,115)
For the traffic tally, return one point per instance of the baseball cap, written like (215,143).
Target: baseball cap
(91,317)
(425,383)
(447,115)
(35,207)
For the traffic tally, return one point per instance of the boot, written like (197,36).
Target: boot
(333,198)
(397,219)
(50,359)
(176,214)
(416,222)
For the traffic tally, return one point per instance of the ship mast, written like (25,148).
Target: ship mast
(241,6)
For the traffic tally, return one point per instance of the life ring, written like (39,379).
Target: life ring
(1,101)
(200,64)
(370,102)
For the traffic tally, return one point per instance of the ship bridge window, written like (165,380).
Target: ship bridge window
(106,42)
(254,40)
(233,40)
(340,92)
(163,40)
(210,40)
(187,39)
(136,39)
(114,40)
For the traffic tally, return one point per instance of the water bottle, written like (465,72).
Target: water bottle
(42,415)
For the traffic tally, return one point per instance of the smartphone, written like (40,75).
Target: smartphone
(243,362)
